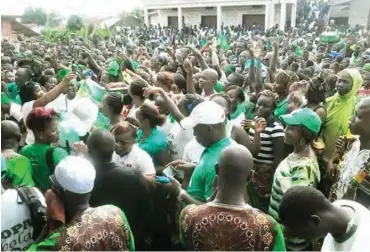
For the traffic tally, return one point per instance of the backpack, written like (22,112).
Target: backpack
(28,194)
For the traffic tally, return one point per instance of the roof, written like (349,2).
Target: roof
(20,28)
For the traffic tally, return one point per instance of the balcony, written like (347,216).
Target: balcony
(166,4)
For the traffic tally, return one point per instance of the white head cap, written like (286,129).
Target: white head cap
(75,174)
(207,112)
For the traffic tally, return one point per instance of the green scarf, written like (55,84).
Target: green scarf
(240,109)
(340,109)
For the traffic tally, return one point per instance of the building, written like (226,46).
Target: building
(353,12)
(214,13)
(11,27)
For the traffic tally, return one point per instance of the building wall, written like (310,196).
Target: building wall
(359,12)
(192,16)
(7,31)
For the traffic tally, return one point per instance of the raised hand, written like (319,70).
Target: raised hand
(188,66)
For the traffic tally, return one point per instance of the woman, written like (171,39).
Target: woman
(300,167)
(136,92)
(112,105)
(149,137)
(281,87)
(237,108)
(33,96)
(43,123)
(165,81)
(340,108)
(48,82)
(271,151)
(128,154)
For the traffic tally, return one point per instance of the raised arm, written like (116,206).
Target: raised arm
(273,63)
(199,56)
(55,92)
(188,67)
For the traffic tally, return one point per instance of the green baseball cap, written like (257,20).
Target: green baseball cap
(113,68)
(303,117)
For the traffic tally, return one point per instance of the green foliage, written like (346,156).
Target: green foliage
(137,15)
(54,19)
(34,16)
(74,23)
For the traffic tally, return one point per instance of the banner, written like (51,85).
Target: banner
(92,90)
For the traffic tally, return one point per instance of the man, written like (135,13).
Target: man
(118,186)
(232,217)
(71,223)
(209,131)
(19,169)
(354,172)
(21,77)
(18,225)
(306,213)
(207,81)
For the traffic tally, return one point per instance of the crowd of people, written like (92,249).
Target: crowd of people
(240,140)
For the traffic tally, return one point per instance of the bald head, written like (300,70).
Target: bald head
(10,133)
(101,145)
(235,166)
(210,74)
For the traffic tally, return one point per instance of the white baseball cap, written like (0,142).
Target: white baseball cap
(207,112)
(75,174)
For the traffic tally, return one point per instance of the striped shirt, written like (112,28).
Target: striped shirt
(273,130)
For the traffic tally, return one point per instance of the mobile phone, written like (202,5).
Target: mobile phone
(170,171)
(163,179)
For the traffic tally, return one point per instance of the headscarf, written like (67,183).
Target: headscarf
(340,109)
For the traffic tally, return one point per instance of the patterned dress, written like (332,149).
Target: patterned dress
(103,228)
(215,226)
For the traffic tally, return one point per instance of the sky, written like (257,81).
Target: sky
(86,8)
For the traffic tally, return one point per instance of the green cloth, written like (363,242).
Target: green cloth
(201,182)
(282,108)
(222,42)
(279,244)
(13,91)
(135,64)
(99,218)
(240,109)
(339,111)
(113,68)
(19,169)
(367,67)
(305,117)
(62,73)
(5,99)
(255,200)
(154,144)
(219,87)
(36,153)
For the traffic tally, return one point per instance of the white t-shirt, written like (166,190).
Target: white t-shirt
(16,111)
(136,159)
(167,126)
(62,103)
(178,138)
(26,110)
(16,227)
(193,151)
(358,232)
(132,112)
(239,119)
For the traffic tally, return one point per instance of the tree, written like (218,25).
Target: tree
(54,19)
(34,16)
(134,17)
(74,23)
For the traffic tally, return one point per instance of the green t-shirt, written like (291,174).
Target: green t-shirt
(102,228)
(281,109)
(19,169)
(201,182)
(36,153)
(13,91)
(154,144)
